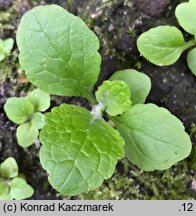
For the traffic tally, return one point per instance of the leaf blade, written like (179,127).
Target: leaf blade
(153,141)
(68,62)
(72,153)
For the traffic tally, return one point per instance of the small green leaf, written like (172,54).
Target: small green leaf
(139,84)
(115,97)
(5,47)
(4,191)
(191,59)
(9,168)
(18,109)
(40,100)
(26,134)
(38,120)
(19,189)
(155,139)
(162,45)
(185,13)
(58,51)
(78,151)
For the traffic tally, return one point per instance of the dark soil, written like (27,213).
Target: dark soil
(117,23)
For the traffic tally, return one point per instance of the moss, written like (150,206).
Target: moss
(133,183)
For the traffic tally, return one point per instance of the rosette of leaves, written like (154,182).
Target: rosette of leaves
(79,148)
(12,186)
(5,47)
(163,45)
(26,111)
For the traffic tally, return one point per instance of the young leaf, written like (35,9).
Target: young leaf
(4,191)
(26,134)
(5,47)
(191,59)
(155,139)
(18,109)
(9,168)
(78,151)
(19,189)
(162,45)
(115,97)
(38,120)
(58,51)
(185,13)
(139,84)
(40,100)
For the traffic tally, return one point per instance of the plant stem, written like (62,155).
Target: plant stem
(189,43)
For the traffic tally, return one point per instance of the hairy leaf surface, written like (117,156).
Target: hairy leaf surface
(78,151)
(155,139)
(139,84)
(115,97)
(58,51)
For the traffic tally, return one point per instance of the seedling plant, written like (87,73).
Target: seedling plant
(12,185)
(79,148)
(163,45)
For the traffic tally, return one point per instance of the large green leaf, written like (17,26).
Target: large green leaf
(9,168)
(191,60)
(19,189)
(155,139)
(78,151)
(162,45)
(139,84)
(114,96)
(185,13)
(18,109)
(58,51)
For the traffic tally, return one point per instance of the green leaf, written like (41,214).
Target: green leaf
(18,109)
(58,51)
(155,139)
(185,13)
(38,120)
(19,189)
(9,168)
(115,97)
(139,84)
(162,45)
(26,134)
(78,151)
(191,59)
(5,47)
(40,100)
(4,191)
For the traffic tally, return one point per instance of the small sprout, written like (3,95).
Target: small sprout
(11,186)
(9,168)
(164,45)
(26,111)
(5,48)
(114,96)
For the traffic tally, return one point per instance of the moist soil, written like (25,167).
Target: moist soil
(117,23)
